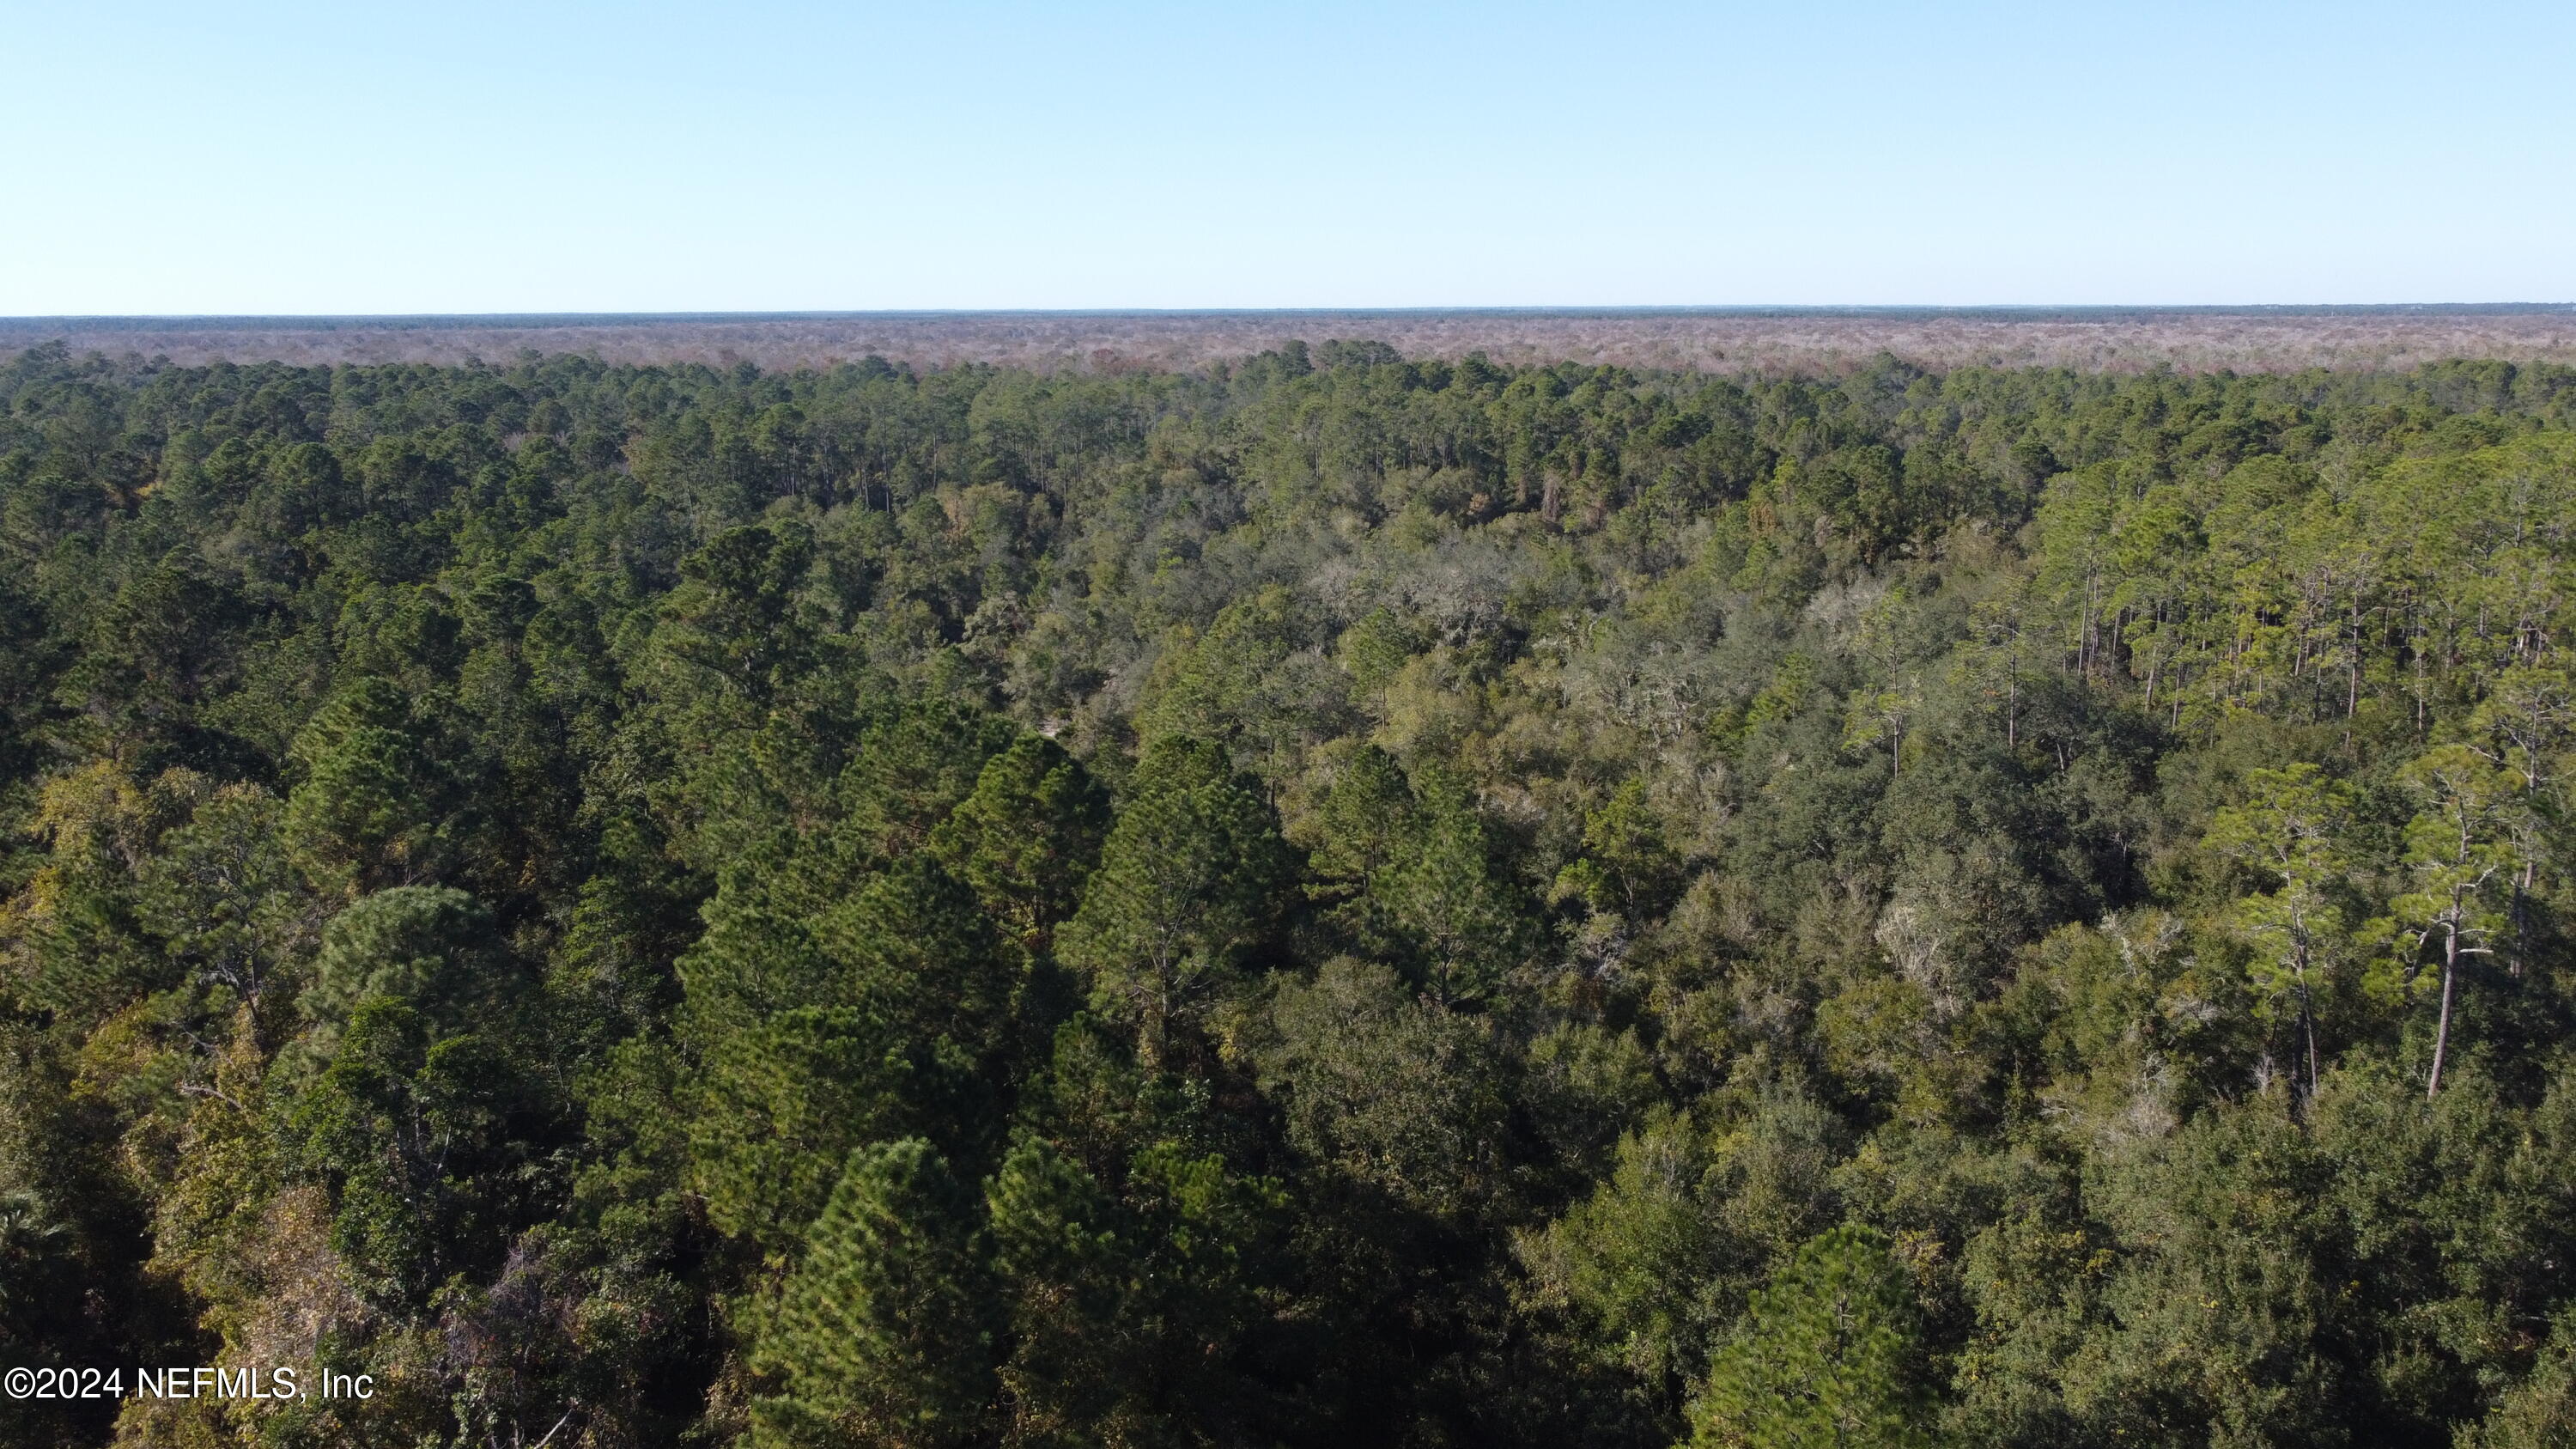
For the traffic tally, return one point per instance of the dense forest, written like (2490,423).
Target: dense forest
(1327,900)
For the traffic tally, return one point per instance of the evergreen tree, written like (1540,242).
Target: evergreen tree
(1828,1355)
(1027,838)
(2292,829)
(1189,884)
(366,814)
(1466,923)
(2458,846)
(885,1332)
(430,948)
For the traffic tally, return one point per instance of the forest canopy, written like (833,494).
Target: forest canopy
(1328,900)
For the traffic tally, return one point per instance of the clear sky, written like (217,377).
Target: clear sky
(763,155)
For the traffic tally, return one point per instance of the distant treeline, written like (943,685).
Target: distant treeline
(1751,341)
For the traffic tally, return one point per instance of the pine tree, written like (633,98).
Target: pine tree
(2458,846)
(1190,881)
(1028,837)
(429,948)
(887,1016)
(1466,923)
(1824,1359)
(365,814)
(2292,829)
(885,1333)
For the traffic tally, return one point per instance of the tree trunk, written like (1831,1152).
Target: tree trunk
(2012,695)
(2308,1034)
(1153,1034)
(2442,1028)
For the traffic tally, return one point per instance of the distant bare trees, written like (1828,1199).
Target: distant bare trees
(2105,339)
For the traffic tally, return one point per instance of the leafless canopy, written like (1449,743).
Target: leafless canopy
(2256,339)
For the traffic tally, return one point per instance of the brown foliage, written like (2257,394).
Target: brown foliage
(2113,339)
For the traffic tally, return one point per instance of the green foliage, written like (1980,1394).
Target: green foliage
(1133,1304)
(1626,867)
(1422,866)
(2292,828)
(1466,925)
(223,895)
(363,816)
(411,1135)
(2540,1412)
(1025,841)
(1638,1260)
(1827,1355)
(2458,848)
(1190,883)
(1393,1092)
(429,948)
(1333,899)
(884,1333)
(888,1017)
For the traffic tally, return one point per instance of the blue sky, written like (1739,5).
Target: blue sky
(465,157)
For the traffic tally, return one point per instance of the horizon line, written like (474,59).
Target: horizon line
(2001,310)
